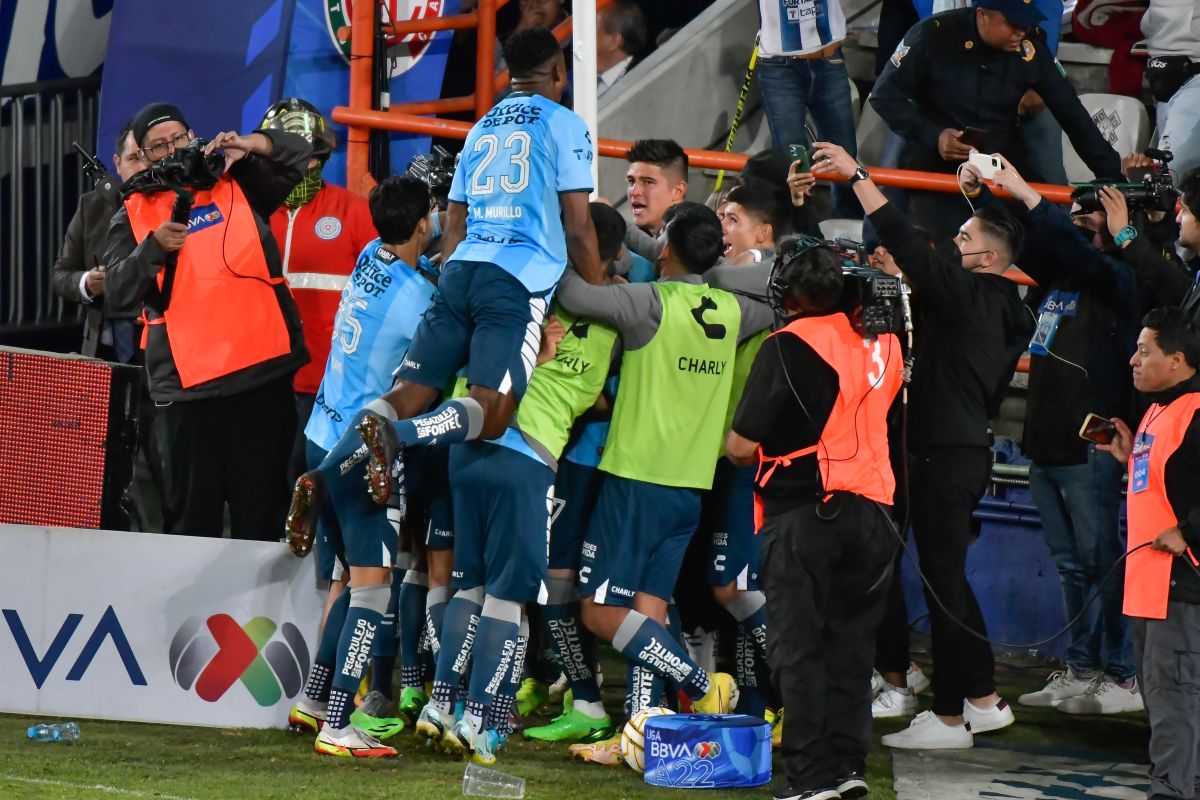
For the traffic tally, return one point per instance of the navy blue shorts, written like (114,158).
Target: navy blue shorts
(728,519)
(576,489)
(358,530)
(427,476)
(636,540)
(502,502)
(484,318)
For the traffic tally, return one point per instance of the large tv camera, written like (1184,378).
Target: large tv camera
(436,171)
(870,298)
(1148,189)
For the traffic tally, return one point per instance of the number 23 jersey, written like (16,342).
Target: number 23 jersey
(515,162)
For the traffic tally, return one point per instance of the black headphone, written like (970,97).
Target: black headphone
(779,284)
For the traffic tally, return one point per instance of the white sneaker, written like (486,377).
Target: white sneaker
(893,701)
(877,683)
(918,681)
(1104,696)
(1062,684)
(983,720)
(927,732)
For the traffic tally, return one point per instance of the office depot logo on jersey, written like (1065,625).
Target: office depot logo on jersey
(213,654)
(403,52)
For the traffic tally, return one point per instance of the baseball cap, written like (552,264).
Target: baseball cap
(1019,13)
(152,115)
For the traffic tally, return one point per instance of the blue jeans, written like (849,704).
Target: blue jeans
(794,87)
(1179,127)
(1080,508)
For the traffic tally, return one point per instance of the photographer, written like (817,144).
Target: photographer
(1087,323)
(814,410)
(971,328)
(222,338)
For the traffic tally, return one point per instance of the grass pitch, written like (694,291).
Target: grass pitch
(121,760)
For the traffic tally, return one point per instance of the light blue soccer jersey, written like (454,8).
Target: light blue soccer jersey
(381,305)
(515,162)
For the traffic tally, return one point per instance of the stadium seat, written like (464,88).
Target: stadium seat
(1122,120)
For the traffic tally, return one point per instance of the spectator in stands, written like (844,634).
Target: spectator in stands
(1172,29)
(971,328)
(656,180)
(969,69)
(1087,325)
(753,217)
(620,38)
(801,71)
(223,338)
(320,229)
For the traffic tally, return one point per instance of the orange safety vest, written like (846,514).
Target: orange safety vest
(223,314)
(852,450)
(1148,572)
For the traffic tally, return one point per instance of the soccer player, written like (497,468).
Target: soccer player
(518,206)
(503,492)
(680,338)
(389,289)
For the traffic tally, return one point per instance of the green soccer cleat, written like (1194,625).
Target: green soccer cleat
(531,696)
(573,726)
(377,716)
(412,700)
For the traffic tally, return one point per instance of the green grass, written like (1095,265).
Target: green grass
(150,761)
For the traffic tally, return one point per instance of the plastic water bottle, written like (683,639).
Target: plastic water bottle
(55,732)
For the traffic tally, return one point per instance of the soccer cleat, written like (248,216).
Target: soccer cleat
(573,726)
(307,715)
(383,449)
(1063,684)
(721,697)
(1105,696)
(917,680)
(478,747)
(893,701)
(412,700)
(606,752)
(531,696)
(432,724)
(983,720)
(300,530)
(350,742)
(377,716)
(927,732)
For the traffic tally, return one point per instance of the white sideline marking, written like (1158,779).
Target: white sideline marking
(97,787)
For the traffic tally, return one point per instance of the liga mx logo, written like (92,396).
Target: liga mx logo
(707,749)
(403,52)
(213,654)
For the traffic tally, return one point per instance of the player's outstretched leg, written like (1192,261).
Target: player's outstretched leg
(411,613)
(309,711)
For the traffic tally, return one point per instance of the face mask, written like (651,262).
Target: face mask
(948,251)
(306,189)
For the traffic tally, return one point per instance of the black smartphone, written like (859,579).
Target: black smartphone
(973,137)
(799,152)
(1097,429)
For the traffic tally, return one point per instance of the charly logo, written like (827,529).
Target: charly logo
(403,52)
(215,653)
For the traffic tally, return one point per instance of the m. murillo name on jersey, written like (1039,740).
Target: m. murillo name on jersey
(704,366)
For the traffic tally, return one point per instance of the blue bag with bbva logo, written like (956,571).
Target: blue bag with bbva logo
(707,751)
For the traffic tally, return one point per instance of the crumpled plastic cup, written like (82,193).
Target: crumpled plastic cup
(483,782)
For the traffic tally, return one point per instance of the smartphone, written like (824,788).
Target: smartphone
(973,137)
(1097,429)
(799,152)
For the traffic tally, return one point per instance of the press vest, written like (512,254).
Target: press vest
(1148,572)
(852,450)
(222,314)
(668,423)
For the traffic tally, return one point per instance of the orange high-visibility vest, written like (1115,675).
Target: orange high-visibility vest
(852,451)
(223,314)
(1148,572)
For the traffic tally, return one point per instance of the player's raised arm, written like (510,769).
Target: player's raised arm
(581,237)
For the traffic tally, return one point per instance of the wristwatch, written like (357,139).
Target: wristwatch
(860,174)
(1125,235)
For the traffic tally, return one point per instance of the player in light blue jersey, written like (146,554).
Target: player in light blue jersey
(391,286)
(518,208)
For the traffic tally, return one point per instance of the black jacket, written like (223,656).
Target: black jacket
(133,269)
(943,76)
(969,333)
(1182,479)
(1171,280)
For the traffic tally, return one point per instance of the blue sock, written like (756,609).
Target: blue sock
(436,601)
(458,420)
(411,618)
(749,608)
(647,642)
(576,648)
(500,712)
(643,689)
(321,677)
(753,677)
(496,639)
(367,607)
(457,639)
(383,651)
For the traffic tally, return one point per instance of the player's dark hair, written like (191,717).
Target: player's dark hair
(663,153)
(625,17)
(694,236)
(770,166)
(765,202)
(528,50)
(812,273)
(122,135)
(610,230)
(1176,333)
(1189,187)
(397,204)
(998,223)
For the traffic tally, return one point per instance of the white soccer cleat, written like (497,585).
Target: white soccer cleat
(350,742)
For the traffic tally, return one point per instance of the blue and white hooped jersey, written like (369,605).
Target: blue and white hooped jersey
(515,162)
(797,27)
(380,308)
